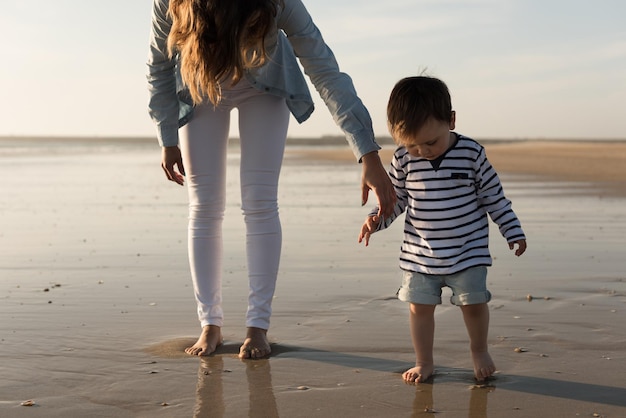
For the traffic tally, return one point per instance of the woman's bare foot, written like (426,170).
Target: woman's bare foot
(484,366)
(256,345)
(419,374)
(210,338)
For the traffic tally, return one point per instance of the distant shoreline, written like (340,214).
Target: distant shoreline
(592,161)
(321,141)
(588,161)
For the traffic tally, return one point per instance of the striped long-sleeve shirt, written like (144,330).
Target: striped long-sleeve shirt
(446,228)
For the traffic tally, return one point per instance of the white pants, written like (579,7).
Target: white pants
(263,123)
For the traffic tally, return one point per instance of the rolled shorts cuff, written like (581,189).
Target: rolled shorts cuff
(468,287)
(407,295)
(471,298)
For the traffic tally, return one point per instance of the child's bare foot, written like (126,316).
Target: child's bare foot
(210,338)
(256,345)
(419,374)
(483,365)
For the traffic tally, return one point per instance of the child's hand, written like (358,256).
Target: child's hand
(369,227)
(521,246)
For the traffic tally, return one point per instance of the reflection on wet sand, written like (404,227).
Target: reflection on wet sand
(210,389)
(478,402)
(210,393)
(424,402)
(347,378)
(262,399)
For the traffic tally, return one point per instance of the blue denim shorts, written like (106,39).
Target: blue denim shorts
(469,287)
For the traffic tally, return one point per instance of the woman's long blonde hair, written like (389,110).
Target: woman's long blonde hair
(217,40)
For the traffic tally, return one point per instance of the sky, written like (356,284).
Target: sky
(515,68)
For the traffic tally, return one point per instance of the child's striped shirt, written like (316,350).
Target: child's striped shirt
(446,228)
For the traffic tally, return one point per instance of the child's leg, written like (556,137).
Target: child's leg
(477,322)
(422,322)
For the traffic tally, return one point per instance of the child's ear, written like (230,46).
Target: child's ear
(452,120)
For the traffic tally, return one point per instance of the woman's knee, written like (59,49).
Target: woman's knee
(259,201)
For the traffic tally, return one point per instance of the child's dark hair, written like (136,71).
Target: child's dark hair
(413,101)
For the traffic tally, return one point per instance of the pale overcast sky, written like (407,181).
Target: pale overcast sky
(516,68)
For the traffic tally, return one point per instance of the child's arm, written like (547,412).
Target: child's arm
(370,226)
(492,198)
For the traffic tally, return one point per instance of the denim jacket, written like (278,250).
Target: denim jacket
(296,35)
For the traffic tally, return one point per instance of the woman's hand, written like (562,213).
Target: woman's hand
(375,178)
(171,159)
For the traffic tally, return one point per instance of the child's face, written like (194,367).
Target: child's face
(432,140)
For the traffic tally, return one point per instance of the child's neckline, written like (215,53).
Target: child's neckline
(437,161)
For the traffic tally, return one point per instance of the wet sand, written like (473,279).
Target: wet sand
(97,302)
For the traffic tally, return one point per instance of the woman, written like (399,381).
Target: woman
(206,58)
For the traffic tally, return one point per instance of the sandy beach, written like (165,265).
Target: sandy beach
(96,299)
